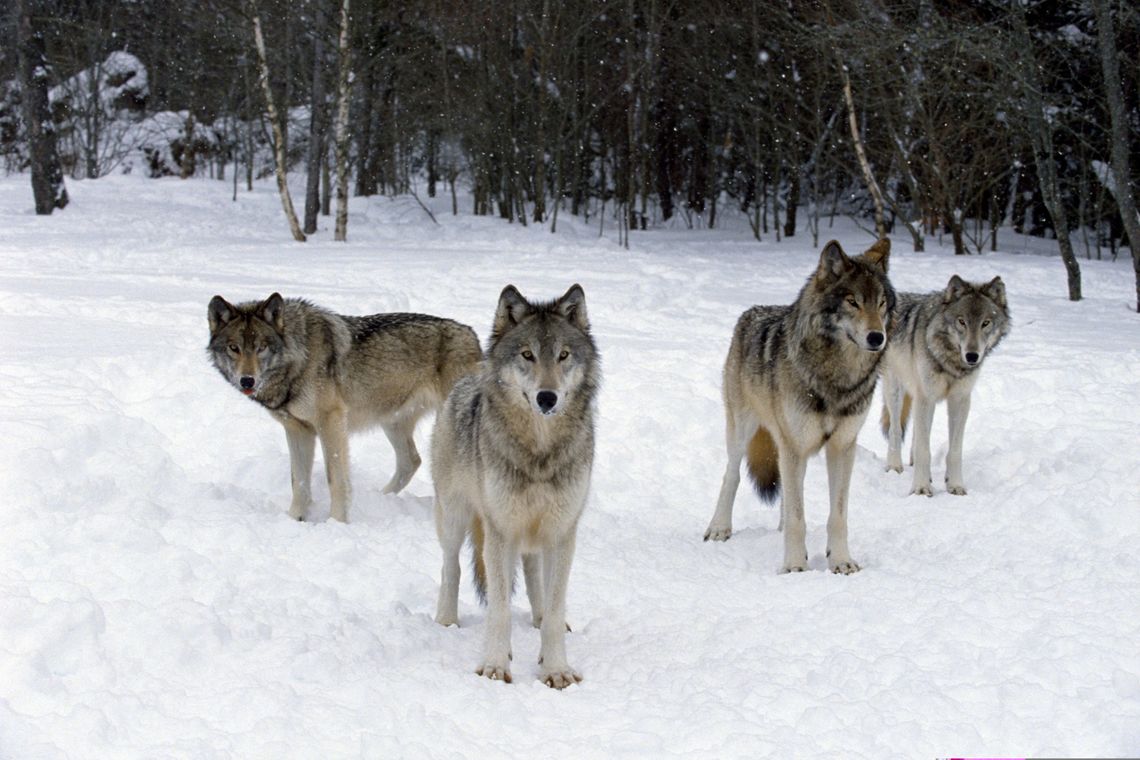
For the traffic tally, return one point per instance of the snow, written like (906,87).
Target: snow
(155,600)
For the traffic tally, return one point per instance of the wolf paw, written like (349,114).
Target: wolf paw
(495,672)
(844,567)
(922,490)
(718,533)
(894,467)
(561,678)
(957,490)
(793,567)
(447,620)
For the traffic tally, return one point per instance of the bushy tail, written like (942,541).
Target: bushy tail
(885,418)
(479,570)
(764,465)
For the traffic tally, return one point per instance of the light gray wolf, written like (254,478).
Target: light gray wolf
(800,378)
(324,375)
(938,344)
(512,452)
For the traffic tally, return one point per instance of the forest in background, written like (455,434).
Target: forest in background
(954,118)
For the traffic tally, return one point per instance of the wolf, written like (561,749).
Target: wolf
(800,378)
(512,453)
(324,375)
(938,344)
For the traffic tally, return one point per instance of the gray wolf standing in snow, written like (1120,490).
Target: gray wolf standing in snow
(323,375)
(938,344)
(512,452)
(800,378)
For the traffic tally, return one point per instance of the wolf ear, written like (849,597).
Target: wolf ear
(220,312)
(955,289)
(995,289)
(510,311)
(879,253)
(572,306)
(272,310)
(833,262)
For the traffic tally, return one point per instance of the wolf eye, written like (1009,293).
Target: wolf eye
(852,302)
(986,323)
(564,355)
(526,354)
(961,322)
(234,348)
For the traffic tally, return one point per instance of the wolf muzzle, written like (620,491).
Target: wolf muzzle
(875,340)
(246,383)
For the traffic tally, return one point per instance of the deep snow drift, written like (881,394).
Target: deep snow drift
(155,600)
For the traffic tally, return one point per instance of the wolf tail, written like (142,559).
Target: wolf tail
(479,570)
(764,464)
(904,415)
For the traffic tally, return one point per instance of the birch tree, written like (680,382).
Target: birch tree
(341,128)
(275,124)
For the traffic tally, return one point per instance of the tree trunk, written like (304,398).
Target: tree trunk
(1121,170)
(861,154)
(275,123)
(317,124)
(47,174)
(341,129)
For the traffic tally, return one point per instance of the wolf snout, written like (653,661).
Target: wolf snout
(875,340)
(246,383)
(546,401)
(972,358)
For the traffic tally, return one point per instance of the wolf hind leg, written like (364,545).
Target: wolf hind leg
(739,429)
(400,432)
(894,401)
(302,441)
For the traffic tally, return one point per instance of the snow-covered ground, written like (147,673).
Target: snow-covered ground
(156,601)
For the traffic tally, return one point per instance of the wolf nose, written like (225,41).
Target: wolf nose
(546,400)
(971,357)
(875,339)
(246,382)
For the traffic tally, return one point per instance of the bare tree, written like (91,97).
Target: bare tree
(1121,184)
(1040,133)
(47,174)
(275,124)
(317,123)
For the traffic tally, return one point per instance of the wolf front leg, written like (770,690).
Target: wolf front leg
(451,524)
(792,469)
(302,440)
(840,462)
(333,432)
(920,446)
(556,559)
(957,409)
(499,558)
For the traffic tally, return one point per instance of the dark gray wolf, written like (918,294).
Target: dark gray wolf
(323,375)
(512,453)
(800,378)
(938,344)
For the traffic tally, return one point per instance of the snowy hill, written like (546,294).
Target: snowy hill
(155,599)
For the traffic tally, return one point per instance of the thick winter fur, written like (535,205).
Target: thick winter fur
(323,375)
(800,378)
(938,345)
(512,453)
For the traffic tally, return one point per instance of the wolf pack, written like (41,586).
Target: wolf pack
(512,447)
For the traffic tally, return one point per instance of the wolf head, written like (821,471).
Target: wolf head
(542,353)
(973,318)
(853,296)
(246,341)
